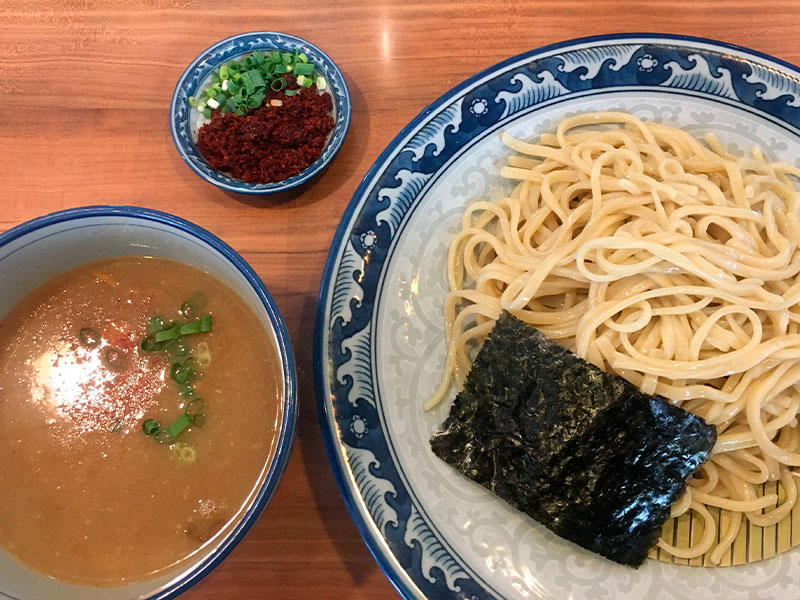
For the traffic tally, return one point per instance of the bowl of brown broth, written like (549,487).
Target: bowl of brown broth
(148,397)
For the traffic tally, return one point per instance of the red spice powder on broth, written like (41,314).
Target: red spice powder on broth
(269,143)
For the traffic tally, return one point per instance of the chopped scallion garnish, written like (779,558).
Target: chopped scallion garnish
(256,78)
(184,371)
(180,373)
(195,407)
(189,328)
(278,84)
(168,334)
(148,343)
(178,425)
(241,85)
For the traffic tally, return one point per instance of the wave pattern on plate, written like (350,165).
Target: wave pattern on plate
(430,565)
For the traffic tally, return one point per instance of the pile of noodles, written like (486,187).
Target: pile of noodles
(668,262)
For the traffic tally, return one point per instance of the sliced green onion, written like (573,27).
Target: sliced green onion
(199,420)
(205,323)
(278,84)
(307,82)
(195,407)
(180,373)
(186,390)
(115,359)
(151,426)
(148,343)
(253,102)
(162,436)
(89,337)
(178,425)
(303,69)
(155,324)
(244,81)
(189,328)
(248,83)
(168,334)
(256,78)
(178,349)
(291,92)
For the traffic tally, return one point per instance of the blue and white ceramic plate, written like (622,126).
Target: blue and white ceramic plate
(379,332)
(183,119)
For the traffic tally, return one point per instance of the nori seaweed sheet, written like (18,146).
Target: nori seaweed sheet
(583,452)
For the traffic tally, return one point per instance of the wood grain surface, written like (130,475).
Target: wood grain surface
(85,88)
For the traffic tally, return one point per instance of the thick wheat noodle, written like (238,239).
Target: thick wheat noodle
(668,262)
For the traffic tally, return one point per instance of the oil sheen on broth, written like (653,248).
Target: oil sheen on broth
(86,495)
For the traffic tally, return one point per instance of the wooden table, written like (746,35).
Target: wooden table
(85,87)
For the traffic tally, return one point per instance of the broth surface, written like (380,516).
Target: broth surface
(85,495)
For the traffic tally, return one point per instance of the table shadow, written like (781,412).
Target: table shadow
(329,504)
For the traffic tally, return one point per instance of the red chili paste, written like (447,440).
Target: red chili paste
(269,143)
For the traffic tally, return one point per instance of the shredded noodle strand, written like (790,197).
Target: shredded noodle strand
(663,260)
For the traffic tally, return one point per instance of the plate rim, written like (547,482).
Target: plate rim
(376,544)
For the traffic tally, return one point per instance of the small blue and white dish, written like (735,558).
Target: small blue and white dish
(37,250)
(196,76)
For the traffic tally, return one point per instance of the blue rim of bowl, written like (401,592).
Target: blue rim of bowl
(362,520)
(241,187)
(289,420)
